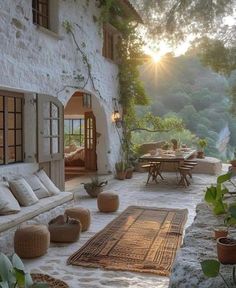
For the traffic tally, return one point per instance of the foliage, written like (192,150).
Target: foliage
(185,89)
(13,274)
(202,143)
(120,166)
(215,194)
(211,269)
(132,93)
(95,182)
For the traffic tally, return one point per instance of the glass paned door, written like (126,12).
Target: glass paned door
(50,123)
(90,141)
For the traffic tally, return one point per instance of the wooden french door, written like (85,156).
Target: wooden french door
(50,120)
(90,141)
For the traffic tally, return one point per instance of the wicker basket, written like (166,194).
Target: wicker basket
(51,281)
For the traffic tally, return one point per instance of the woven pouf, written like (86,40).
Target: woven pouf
(64,229)
(31,241)
(108,202)
(81,214)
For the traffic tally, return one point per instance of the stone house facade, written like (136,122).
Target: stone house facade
(38,58)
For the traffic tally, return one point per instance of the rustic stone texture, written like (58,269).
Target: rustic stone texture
(199,244)
(34,61)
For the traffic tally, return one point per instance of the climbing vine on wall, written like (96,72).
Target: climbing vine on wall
(132,93)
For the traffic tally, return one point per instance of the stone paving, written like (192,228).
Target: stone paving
(166,194)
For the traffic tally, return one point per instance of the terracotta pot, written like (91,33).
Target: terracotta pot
(121,175)
(226,250)
(129,173)
(218,233)
(200,155)
(233,162)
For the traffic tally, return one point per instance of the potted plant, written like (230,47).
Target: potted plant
(120,170)
(129,171)
(94,187)
(202,143)
(226,247)
(215,194)
(13,274)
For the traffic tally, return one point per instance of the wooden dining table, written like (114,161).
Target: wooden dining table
(169,157)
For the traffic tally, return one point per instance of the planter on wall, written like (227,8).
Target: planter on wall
(226,250)
(200,155)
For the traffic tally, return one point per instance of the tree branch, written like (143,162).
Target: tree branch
(149,130)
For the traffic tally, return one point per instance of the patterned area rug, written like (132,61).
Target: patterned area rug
(141,239)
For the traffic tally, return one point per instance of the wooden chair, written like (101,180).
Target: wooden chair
(184,171)
(191,165)
(153,171)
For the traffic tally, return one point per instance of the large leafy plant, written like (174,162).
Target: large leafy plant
(13,274)
(215,194)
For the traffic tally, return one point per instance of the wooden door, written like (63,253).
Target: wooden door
(90,141)
(50,120)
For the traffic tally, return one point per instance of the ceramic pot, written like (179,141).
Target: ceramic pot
(218,233)
(226,250)
(129,173)
(93,191)
(200,155)
(233,162)
(121,175)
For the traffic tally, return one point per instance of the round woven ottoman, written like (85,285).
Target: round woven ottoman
(31,241)
(64,229)
(108,202)
(81,214)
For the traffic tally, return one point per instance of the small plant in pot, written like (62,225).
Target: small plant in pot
(226,246)
(202,143)
(120,170)
(129,171)
(94,187)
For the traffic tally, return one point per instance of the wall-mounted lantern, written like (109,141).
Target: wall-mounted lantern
(116,116)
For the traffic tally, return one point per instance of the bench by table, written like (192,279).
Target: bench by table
(208,165)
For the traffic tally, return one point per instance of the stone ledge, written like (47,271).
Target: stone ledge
(198,245)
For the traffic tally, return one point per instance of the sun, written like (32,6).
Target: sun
(156,57)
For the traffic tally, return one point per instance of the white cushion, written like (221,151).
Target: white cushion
(37,186)
(23,192)
(47,182)
(8,203)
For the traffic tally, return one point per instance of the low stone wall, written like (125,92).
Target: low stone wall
(198,245)
(7,237)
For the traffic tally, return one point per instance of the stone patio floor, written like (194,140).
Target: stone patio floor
(166,194)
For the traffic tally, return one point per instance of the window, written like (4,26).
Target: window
(74,132)
(108,50)
(41,13)
(87,101)
(11,128)
(45,14)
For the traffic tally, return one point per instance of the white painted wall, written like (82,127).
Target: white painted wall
(34,61)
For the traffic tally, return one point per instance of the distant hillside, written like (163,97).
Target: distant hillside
(183,87)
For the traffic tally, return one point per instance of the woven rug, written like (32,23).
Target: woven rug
(141,239)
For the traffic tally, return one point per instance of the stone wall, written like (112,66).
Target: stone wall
(34,60)
(198,245)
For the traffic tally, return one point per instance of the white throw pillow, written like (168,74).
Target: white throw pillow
(23,192)
(37,186)
(47,182)
(8,203)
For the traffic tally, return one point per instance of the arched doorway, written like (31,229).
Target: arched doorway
(79,136)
